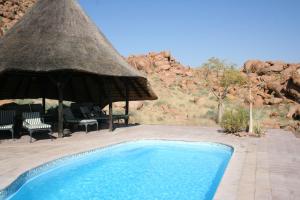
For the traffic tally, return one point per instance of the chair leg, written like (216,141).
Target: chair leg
(86,129)
(97,126)
(30,133)
(12,134)
(50,133)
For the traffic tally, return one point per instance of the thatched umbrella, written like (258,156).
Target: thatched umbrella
(55,51)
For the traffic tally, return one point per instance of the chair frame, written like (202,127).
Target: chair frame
(35,115)
(12,115)
(80,122)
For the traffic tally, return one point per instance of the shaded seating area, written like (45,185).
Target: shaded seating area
(40,58)
(32,122)
(23,119)
(7,121)
(70,119)
(12,117)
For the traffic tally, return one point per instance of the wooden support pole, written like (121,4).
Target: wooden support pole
(60,110)
(126,106)
(44,105)
(110,116)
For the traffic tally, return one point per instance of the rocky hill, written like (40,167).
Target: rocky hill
(273,82)
(166,68)
(277,81)
(11,11)
(184,97)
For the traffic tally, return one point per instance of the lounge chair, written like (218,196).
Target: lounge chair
(99,113)
(33,123)
(7,119)
(70,119)
(86,112)
(103,116)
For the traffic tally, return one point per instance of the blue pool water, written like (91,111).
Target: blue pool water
(145,170)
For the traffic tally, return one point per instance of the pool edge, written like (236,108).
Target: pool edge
(17,183)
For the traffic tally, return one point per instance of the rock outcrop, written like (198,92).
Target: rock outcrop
(165,67)
(274,81)
(11,11)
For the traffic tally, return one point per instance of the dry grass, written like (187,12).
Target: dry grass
(176,106)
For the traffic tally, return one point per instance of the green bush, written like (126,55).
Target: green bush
(235,120)
(210,114)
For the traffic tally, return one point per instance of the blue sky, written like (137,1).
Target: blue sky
(195,30)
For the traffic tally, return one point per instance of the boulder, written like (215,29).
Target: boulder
(293,90)
(166,54)
(258,101)
(261,68)
(273,101)
(179,71)
(276,88)
(165,67)
(161,63)
(141,63)
(294,112)
(296,78)
(189,73)
(253,66)
(275,79)
(287,73)
(274,114)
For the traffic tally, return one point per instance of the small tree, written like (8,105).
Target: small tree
(220,78)
(250,99)
(250,104)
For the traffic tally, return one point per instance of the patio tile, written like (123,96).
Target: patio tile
(260,168)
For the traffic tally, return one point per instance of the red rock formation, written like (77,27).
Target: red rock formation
(165,67)
(275,80)
(11,11)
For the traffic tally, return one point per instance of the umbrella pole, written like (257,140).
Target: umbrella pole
(60,110)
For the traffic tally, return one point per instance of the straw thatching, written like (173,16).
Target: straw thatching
(56,44)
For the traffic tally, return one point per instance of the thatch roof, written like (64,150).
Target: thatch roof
(56,40)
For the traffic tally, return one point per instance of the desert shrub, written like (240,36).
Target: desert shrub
(235,120)
(210,114)
(202,92)
(258,129)
(159,119)
(212,98)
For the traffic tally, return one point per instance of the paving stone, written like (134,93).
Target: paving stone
(260,168)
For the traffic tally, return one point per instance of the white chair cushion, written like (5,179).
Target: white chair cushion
(37,126)
(6,127)
(88,121)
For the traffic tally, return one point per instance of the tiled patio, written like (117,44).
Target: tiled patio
(260,168)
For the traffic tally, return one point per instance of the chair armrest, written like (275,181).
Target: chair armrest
(24,122)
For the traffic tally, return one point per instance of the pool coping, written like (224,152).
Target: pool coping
(17,183)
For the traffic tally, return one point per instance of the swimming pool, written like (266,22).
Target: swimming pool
(134,170)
